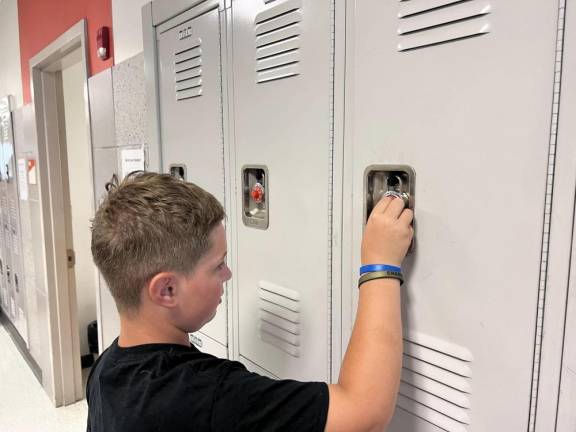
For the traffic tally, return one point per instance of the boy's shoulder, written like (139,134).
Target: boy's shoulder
(157,360)
(163,378)
(172,387)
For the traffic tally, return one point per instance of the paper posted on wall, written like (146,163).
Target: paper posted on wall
(132,160)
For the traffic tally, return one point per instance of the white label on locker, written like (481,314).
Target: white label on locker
(132,160)
(186,33)
(23,179)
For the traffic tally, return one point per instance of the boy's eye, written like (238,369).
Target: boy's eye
(221,265)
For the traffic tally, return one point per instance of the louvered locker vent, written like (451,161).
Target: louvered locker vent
(280,317)
(424,23)
(277,31)
(436,382)
(188,71)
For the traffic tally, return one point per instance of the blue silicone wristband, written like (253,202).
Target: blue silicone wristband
(378,267)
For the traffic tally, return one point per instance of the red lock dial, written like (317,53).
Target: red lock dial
(257,193)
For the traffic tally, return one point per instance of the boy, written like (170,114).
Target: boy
(161,246)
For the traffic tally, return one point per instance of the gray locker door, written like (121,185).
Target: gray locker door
(461,92)
(190,90)
(282,99)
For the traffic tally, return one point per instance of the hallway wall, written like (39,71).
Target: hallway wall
(26,28)
(127,19)
(41,22)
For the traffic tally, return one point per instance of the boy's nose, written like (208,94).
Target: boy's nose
(228,273)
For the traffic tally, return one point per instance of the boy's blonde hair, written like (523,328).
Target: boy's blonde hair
(147,224)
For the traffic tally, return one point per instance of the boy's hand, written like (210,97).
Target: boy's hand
(388,233)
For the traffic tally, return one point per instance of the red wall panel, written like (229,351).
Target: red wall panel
(42,21)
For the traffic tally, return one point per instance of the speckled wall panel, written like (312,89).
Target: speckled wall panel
(130,102)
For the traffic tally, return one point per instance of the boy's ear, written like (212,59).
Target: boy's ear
(163,288)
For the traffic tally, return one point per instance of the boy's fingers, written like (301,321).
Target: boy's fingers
(395,208)
(406,217)
(382,204)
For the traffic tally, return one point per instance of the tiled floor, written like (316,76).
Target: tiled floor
(24,406)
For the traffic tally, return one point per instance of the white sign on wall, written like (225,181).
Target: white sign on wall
(132,160)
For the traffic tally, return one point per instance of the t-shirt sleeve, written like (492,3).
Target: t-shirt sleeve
(245,401)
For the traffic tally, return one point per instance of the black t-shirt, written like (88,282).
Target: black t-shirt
(172,388)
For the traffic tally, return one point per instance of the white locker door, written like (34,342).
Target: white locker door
(461,92)
(191,121)
(282,99)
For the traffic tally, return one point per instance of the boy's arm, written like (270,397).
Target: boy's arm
(365,396)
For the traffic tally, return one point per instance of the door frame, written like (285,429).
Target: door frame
(63,381)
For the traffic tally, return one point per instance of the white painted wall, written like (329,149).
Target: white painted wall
(127,28)
(80,186)
(10,72)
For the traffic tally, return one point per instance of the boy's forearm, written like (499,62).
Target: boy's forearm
(371,368)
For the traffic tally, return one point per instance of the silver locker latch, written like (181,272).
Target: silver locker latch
(255,187)
(178,171)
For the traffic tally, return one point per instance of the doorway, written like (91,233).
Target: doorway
(61,102)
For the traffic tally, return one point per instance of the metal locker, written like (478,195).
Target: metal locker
(7,207)
(282,130)
(11,220)
(442,87)
(21,192)
(191,125)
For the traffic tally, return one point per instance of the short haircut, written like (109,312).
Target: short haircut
(147,224)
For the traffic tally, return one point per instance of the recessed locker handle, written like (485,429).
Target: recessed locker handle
(255,199)
(178,171)
(389,180)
